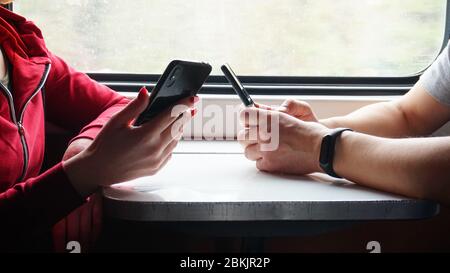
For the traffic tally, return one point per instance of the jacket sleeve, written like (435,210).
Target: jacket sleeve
(77,103)
(36,204)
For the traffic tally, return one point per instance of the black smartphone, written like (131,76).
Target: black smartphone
(237,85)
(181,79)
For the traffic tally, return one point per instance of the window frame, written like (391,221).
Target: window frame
(282,85)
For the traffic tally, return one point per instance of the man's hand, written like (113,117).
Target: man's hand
(296,108)
(298,141)
(76,147)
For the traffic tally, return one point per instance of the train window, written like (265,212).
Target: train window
(370,38)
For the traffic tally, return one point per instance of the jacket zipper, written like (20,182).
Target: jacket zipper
(19,122)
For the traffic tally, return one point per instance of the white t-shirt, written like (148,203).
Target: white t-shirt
(436,79)
(4,78)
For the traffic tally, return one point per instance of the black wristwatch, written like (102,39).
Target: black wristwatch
(327,150)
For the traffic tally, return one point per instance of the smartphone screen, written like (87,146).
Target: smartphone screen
(181,79)
(237,85)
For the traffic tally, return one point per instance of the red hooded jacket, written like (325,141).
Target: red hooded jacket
(30,200)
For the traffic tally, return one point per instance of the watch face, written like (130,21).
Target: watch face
(325,150)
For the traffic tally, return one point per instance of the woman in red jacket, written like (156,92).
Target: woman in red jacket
(36,87)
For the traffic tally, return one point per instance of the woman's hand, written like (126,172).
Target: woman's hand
(84,223)
(123,152)
(298,142)
(76,147)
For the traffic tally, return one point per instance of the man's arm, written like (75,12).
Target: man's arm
(415,167)
(415,114)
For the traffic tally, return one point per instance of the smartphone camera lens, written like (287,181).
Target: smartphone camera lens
(173,76)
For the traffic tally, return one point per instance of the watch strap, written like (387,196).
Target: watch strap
(327,151)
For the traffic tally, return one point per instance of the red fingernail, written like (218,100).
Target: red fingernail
(143,91)
(193,112)
(195,99)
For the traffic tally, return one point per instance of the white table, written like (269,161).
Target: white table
(211,189)
(221,185)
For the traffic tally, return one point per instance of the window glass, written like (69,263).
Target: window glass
(257,37)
